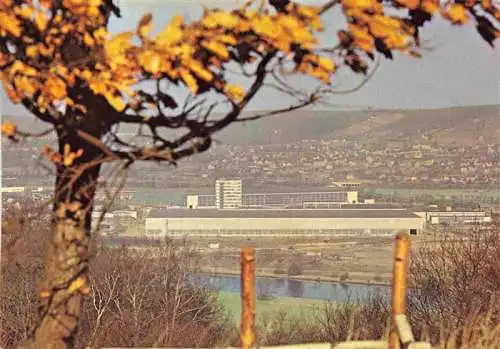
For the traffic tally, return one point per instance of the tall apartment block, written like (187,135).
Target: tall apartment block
(228,193)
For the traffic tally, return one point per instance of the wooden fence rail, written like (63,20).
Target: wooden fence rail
(400,337)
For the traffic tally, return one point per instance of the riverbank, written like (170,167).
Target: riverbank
(357,279)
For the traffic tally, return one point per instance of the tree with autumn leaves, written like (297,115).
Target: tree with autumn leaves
(59,61)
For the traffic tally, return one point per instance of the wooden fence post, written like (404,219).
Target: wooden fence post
(399,284)
(247,328)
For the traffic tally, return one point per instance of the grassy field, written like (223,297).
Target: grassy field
(265,308)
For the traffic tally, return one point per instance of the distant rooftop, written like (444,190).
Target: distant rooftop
(276,213)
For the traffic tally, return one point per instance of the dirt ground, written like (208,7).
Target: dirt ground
(350,259)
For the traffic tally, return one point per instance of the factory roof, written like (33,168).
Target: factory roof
(277,213)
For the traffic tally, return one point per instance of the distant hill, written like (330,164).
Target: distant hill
(462,125)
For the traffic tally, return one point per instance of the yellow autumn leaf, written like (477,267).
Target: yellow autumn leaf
(361,37)
(197,68)
(430,6)
(189,80)
(8,128)
(236,93)
(391,22)
(88,39)
(118,44)
(65,29)
(411,4)
(76,284)
(68,160)
(10,23)
(316,24)
(56,87)
(32,51)
(266,26)
(25,12)
(101,33)
(397,41)
(242,26)
(93,11)
(66,149)
(41,21)
(456,13)
(145,25)
(46,51)
(227,39)
(308,11)
(115,101)
(98,87)
(359,4)
(283,45)
(20,67)
(382,26)
(45,3)
(319,74)
(303,36)
(359,14)
(216,47)
(25,84)
(209,22)
(150,61)
(220,18)
(170,35)
(86,74)
(185,50)
(3,59)
(326,64)
(289,22)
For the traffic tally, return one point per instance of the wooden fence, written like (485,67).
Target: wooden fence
(400,336)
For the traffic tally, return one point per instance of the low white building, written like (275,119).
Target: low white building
(12,190)
(457,217)
(212,222)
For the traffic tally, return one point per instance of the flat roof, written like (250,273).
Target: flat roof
(271,213)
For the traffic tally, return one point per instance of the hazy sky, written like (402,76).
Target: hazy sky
(460,70)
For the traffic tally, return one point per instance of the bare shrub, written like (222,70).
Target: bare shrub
(346,321)
(148,297)
(279,271)
(456,284)
(23,240)
(138,297)
(344,277)
(283,329)
(295,268)
(331,322)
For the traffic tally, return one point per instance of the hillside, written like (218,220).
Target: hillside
(463,125)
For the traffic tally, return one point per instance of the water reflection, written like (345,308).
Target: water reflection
(282,287)
(295,288)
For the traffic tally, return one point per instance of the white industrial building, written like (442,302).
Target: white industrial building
(457,217)
(246,222)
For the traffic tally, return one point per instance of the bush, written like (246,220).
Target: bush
(456,282)
(135,300)
(279,271)
(295,268)
(344,277)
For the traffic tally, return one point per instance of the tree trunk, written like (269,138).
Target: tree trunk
(65,280)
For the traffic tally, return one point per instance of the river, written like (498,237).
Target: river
(283,287)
